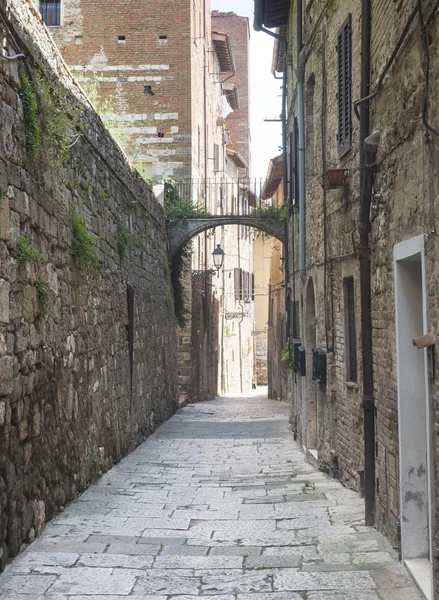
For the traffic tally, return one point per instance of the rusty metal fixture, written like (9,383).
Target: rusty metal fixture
(334,178)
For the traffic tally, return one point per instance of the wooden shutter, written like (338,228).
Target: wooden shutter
(253,286)
(296,330)
(245,286)
(216,157)
(238,285)
(344,48)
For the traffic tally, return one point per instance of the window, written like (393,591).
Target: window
(51,13)
(238,285)
(244,285)
(344,48)
(350,332)
(309,124)
(216,157)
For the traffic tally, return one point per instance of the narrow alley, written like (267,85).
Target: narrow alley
(218,502)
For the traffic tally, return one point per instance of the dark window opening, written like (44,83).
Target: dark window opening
(51,13)
(163,37)
(160,134)
(344,48)
(350,330)
(121,38)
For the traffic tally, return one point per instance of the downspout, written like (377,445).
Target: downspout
(364,226)
(206,132)
(300,77)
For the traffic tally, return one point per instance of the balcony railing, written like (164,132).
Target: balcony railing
(224,196)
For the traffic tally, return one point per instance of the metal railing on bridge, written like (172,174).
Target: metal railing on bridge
(217,196)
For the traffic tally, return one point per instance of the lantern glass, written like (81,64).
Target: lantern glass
(218,257)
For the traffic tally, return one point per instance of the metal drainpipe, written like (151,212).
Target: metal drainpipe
(206,132)
(300,76)
(364,227)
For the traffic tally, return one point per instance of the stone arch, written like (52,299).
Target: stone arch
(180,233)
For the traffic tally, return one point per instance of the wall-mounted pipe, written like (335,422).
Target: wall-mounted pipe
(300,76)
(367,158)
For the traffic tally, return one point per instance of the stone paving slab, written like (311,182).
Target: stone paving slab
(219,502)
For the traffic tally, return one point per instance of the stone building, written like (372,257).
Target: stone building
(362,254)
(166,83)
(87,337)
(273,193)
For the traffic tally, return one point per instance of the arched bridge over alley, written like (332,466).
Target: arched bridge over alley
(180,233)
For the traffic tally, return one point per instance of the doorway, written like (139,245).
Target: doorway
(414,414)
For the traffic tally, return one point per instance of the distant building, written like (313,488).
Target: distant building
(169,85)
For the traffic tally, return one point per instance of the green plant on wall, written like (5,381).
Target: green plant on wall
(179,209)
(287,357)
(26,251)
(60,115)
(168,304)
(179,268)
(43,296)
(125,240)
(83,245)
(30,113)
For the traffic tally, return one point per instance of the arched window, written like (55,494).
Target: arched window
(51,13)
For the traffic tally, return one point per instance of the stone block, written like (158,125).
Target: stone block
(4,301)
(4,217)
(6,375)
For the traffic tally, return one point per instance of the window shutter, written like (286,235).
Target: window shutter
(344,47)
(296,330)
(294,166)
(246,286)
(237,281)
(253,286)
(216,157)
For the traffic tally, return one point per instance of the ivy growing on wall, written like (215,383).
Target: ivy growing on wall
(43,296)
(83,245)
(179,268)
(30,113)
(26,251)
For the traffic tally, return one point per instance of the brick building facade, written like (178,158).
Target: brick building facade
(369,205)
(165,76)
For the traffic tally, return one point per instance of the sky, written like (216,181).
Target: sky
(265,91)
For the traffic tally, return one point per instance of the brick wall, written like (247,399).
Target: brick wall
(156,51)
(69,408)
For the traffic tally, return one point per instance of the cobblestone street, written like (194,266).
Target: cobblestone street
(218,502)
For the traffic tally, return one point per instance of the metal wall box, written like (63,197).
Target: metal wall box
(302,361)
(319,366)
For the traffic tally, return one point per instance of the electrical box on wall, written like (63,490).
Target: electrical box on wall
(318,366)
(296,356)
(302,360)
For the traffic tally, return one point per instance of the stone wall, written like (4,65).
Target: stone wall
(75,396)
(404,206)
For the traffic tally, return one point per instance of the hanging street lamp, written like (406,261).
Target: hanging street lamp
(218,258)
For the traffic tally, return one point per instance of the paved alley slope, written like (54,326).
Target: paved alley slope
(218,502)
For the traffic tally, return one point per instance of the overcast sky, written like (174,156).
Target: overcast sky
(265,91)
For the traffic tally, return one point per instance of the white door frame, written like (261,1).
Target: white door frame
(405,250)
